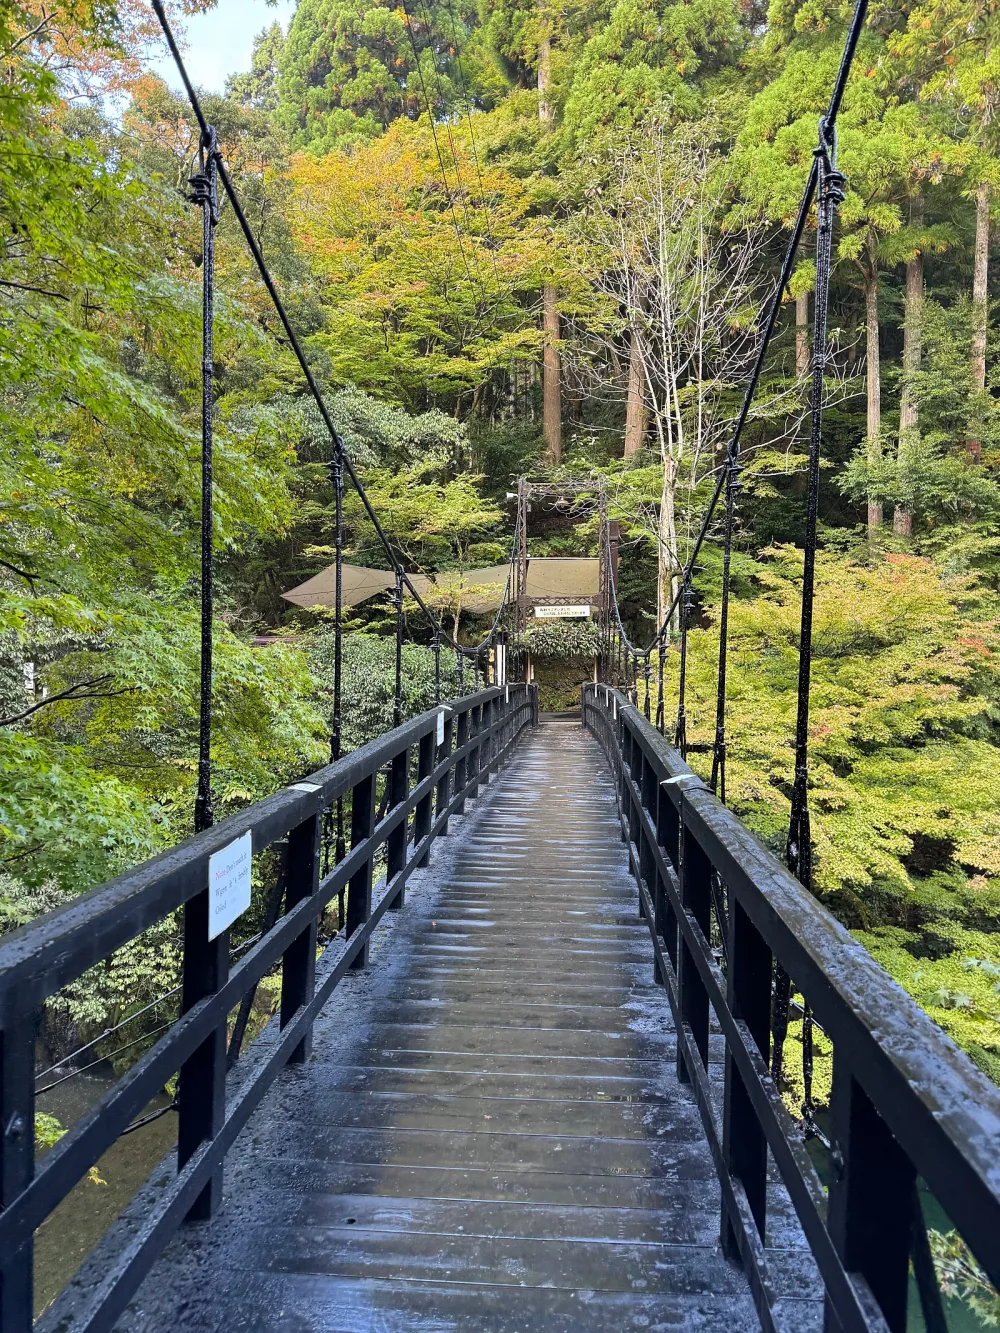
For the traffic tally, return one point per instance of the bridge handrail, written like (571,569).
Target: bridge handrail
(37,960)
(906,1101)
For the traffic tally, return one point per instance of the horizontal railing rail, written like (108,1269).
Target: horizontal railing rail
(457,747)
(906,1103)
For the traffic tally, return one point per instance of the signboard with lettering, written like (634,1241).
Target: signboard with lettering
(564,611)
(229,884)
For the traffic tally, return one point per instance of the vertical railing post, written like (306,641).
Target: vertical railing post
(472,768)
(201,1090)
(872,1197)
(422,814)
(359,890)
(17,1165)
(462,764)
(395,850)
(695,883)
(647,861)
(744,1147)
(664,921)
(633,763)
(624,743)
(495,732)
(298,965)
(444,783)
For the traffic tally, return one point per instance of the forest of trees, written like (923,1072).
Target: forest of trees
(514,238)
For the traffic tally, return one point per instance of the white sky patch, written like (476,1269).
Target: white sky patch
(220,43)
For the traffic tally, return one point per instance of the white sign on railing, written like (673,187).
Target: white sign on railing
(564,611)
(440,727)
(229,884)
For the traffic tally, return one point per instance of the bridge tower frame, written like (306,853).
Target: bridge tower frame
(607,542)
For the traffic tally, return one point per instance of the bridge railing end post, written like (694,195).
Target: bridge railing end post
(17,1165)
(201,1087)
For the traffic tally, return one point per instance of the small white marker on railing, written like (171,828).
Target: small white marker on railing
(305,786)
(683,780)
(229,884)
(440,726)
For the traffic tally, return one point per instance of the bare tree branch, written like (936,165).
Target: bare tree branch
(83,689)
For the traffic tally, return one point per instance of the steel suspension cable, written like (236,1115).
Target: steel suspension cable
(204,186)
(798,851)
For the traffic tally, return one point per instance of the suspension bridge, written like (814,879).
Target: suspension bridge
(550,1091)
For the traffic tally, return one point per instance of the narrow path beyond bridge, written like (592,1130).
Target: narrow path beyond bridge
(490,1133)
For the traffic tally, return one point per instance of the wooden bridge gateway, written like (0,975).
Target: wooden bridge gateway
(541,1086)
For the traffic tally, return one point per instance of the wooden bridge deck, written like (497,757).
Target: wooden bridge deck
(490,1133)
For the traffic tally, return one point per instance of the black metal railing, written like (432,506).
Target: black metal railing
(906,1103)
(36,962)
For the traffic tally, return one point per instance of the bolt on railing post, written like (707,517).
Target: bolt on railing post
(201,1090)
(298,965)
(17,1165)
(422,814)
(399,787)
(748,992)
(359,890)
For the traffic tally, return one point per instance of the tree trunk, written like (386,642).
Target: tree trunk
(902,520)
(666,582)
(636,418)
(546,112)
(874,376)
(980,279)
(551,386)
(802,334)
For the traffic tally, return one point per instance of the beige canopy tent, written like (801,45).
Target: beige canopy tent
(550,579)
(358,585)
(481,590)
(553,578)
